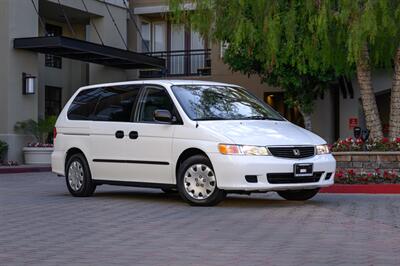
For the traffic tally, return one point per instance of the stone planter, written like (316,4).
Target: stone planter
(37,155)
(362,161)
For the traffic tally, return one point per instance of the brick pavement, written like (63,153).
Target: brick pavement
(40,224)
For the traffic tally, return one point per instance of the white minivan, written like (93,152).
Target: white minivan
(201,139)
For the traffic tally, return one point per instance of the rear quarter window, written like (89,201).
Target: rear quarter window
(105,104)
(83,105)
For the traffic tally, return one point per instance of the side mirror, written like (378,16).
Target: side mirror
(162,116)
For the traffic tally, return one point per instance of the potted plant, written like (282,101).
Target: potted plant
(3,150)
(38,152)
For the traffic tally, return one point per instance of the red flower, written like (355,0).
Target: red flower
(385,140)
(339,174)
(397,140)
(385,174)
(351,172)
(369,174)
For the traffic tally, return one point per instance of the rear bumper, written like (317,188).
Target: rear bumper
(57,162)
(231,171)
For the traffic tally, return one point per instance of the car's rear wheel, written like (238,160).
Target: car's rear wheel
(78,177)
(299,195)
(197,183)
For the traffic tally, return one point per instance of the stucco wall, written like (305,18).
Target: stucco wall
(14,105)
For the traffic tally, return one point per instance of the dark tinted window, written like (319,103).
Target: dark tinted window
(116,103)
(83,105)
(155,98)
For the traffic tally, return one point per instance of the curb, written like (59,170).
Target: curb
(363,189)
(18,170)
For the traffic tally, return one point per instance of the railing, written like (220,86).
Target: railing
(181,63)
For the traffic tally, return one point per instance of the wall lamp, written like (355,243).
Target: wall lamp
(28,84)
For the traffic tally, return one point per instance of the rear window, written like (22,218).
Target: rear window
(104,104)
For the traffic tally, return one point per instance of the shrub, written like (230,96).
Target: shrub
(40,130)
(3,149)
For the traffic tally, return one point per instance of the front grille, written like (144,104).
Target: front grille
(289,178)
(293,152)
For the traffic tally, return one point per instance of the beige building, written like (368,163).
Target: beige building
(95,41)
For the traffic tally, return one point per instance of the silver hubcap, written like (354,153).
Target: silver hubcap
(75,175)
(199,181)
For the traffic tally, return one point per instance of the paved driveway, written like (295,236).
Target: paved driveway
(40,224)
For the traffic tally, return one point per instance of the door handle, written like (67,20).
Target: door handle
(119,134)
(133,135)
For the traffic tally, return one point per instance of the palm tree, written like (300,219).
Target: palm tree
(394,124)
(367,94)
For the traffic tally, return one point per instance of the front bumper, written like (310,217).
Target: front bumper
(231,170)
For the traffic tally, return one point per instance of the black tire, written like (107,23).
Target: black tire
(169,190)
(298,195)
(87,186)
(213,199)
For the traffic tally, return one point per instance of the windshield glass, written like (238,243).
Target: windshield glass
(211,102)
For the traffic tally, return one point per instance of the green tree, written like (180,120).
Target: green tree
(370,33)
(286,43)
(302,46)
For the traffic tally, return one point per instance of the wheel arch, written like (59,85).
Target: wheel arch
(72,151)
(187,154)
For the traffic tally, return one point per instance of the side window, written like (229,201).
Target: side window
(84,104)
(154,98)
(116,103)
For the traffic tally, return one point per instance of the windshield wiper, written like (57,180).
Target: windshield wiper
(261,117)
(210,118)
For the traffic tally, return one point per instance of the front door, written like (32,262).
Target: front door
(150,152)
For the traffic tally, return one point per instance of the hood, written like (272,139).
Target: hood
(262,132)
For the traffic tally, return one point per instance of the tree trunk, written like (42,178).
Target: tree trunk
(307,121)
(367,95)
(394,124)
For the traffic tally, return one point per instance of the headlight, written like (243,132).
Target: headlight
(230,149)
(322,149)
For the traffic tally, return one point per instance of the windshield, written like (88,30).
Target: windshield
(212,102)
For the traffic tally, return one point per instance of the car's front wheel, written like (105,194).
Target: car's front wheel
(299,195)
(197,183)
(78,177)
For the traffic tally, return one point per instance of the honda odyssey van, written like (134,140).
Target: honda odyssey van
(200,139)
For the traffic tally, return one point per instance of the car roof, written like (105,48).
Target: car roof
(163,82)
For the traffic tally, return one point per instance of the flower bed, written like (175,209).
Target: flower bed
(351,144)
(350,176)
(357,167)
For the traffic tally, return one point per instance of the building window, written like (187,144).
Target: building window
(146,36)
(159,37)
(53,60)
(52,100)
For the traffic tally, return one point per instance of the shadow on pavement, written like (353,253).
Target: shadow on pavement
(232,200)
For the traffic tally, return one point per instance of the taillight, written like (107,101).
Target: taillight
(54,133)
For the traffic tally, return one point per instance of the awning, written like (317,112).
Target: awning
(89,52)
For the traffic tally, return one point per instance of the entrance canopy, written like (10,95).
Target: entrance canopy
(89,52)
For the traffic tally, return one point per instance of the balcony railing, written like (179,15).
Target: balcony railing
(181,63)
